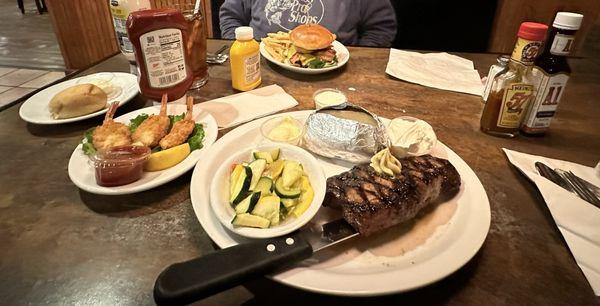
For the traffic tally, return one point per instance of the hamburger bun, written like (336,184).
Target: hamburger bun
(77,101)
(311,37)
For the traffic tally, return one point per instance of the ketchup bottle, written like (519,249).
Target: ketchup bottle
(158,37)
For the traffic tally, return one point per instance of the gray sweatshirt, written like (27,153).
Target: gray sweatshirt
(355,22)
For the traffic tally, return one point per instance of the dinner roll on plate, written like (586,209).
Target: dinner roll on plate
(77,101)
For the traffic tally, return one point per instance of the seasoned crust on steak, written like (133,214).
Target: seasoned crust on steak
(371,202)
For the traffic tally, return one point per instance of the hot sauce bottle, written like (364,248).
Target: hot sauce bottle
(551,73)
(512,89)
(158,37)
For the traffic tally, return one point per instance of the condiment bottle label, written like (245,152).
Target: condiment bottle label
(164,57)
(514,105)
(120,14)
(550,90)
(252,68)
(526,50)
(562,44)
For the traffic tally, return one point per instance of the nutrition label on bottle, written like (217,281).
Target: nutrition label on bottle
(252,68)
(119,20)
(164,57)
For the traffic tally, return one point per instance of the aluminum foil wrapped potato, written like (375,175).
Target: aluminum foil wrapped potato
(346,132)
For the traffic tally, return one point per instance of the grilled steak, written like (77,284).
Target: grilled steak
(371,202)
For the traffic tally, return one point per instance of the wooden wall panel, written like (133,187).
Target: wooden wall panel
(511,13)
(206,7)
(84,31)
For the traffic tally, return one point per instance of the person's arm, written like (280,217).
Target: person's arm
(378,23)
(233,14)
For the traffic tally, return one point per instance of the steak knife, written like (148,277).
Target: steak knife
(189,281)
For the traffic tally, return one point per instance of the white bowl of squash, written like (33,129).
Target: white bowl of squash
(267,191)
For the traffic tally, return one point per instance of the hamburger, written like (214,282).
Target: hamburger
(312,47)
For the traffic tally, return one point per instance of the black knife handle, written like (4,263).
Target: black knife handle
(189,281)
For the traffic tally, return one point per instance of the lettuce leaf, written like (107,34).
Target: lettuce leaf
(195,140)
(86,144)
(135,122)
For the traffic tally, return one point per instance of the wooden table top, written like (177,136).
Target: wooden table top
(61,245)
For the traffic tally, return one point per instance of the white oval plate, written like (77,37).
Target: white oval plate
(83,175)
(35,109)
(342,53)
(219,190)
(448,249)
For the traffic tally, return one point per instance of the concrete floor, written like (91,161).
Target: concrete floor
(27,40)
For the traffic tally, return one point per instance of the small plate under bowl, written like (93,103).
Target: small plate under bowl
(219,190)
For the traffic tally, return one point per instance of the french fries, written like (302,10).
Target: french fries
(278,45)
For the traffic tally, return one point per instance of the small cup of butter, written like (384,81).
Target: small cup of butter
(328,97)
(410,137)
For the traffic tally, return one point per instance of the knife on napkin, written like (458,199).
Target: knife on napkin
(189,281)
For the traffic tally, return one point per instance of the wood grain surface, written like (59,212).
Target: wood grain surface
(61,245)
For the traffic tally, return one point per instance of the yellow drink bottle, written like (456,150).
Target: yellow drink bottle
(244,57)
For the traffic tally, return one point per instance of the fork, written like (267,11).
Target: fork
(579,187)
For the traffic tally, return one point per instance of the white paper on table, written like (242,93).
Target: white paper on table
(577,220)
(437,70)
(246,106)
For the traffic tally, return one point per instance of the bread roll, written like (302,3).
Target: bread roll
(77,101)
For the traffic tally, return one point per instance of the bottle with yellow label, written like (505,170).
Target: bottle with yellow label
(512,89)
(244,56)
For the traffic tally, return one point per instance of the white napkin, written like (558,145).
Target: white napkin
(577,220)
(246,106)
(437,70)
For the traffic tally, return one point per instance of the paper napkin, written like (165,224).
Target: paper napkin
(246,106)
(437,70)
(577,220)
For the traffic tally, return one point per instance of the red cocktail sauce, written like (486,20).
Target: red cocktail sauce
(159,37)
(120,165)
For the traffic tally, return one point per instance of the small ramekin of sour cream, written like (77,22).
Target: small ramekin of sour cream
(410,137)
(328,97)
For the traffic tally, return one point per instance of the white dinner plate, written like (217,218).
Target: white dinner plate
(35,109)
(83,174)
(341,51)
(449,247)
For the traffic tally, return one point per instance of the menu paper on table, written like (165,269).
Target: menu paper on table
(246,106)
(576,219)
(437,70)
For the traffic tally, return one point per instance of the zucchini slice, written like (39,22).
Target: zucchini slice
(247,204)
(289,203)
(268,208)
(258,167)
(275,153)
(264,186)
(250,221)
(263,155)
(292,171)
(274,170)
(284,192)
(240,185)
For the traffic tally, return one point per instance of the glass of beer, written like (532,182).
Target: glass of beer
(195,47)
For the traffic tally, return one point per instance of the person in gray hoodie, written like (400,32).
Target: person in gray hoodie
(355,22)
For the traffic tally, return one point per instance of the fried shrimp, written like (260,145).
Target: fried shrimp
(111,134)
(181,129)
(153,129)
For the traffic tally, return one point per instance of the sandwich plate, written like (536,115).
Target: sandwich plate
(82,174)
(341,51)
(35,109)
(357,271)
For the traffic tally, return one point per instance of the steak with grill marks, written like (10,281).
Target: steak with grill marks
(371,202)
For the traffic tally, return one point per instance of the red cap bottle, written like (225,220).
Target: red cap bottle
(529,42)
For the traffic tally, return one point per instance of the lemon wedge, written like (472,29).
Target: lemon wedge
(167,158)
